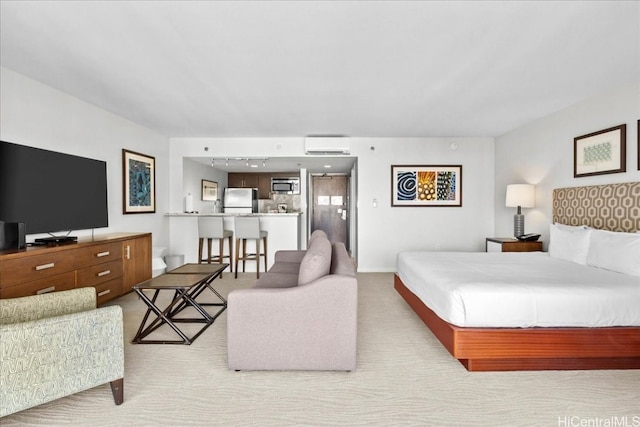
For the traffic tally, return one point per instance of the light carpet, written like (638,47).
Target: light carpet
(404,377)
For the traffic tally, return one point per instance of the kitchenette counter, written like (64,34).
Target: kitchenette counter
(284,233)
(196,214)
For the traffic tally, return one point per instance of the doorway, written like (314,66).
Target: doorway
(330,206)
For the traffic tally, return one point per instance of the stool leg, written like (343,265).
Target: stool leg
(220,253)
(220,250)
(209,250)
(200,241)
(258,258)
(264,239)
(237,255)
(230,254)
(244,254)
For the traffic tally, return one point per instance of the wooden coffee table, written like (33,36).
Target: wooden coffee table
(187,283)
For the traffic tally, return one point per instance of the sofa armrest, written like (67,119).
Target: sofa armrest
(310,327)
(289,256)
(34,307)
(46,359)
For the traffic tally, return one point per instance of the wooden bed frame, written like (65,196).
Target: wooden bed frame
(526,349)
(518,349)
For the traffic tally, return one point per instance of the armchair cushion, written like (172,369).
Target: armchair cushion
(58,355)
(25,309)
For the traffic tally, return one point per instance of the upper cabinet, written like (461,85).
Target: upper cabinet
(243,180)
(261,181)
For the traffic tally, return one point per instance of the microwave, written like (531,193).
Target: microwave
(285,185)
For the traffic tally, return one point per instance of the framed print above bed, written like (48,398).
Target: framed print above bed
(600,153)
(426,185)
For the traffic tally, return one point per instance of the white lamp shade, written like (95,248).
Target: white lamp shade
(523,195)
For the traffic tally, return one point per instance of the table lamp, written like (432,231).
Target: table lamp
(520,196)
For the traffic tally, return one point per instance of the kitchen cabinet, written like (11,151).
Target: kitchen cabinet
(261,181)
(242,180)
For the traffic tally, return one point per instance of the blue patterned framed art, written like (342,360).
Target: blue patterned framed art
(428,185)
(600,153)
(138,182)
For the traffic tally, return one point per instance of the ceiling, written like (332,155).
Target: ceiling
(357,68)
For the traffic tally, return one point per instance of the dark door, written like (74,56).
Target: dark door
(330,207)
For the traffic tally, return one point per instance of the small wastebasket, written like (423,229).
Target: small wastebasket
(174,261)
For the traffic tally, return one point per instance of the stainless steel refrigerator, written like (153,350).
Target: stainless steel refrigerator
(240,200)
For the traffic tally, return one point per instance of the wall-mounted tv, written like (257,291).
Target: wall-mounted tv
(51,192)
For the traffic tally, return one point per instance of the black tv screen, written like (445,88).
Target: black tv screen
(51,192)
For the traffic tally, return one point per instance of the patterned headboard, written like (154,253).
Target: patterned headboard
(614,207)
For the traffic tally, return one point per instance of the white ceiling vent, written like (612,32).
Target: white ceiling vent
(319,145)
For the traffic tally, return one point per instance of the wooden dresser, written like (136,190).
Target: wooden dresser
(112,263)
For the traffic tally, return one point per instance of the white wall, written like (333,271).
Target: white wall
(39,116)
(382,231)
(541,153)
(194,173)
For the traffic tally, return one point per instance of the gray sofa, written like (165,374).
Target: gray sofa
(300,315)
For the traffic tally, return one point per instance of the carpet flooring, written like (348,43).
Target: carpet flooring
(404,378)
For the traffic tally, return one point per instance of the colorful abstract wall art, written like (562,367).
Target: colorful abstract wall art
(426,185)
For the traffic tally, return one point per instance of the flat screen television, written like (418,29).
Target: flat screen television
(51,192)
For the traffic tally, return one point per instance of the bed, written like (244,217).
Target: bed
(577,309)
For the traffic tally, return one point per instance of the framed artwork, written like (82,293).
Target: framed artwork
(600,153)
(430,185)
(139,183)
(209,190)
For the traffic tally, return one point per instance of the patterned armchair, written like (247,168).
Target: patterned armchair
(57,344)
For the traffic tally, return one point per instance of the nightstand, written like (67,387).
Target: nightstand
(509,244)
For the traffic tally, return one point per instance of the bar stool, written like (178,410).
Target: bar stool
(212,227)
(248,228)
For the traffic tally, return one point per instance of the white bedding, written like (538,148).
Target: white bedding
(519,289)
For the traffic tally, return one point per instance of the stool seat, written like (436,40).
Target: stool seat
(210,228)
(248,228)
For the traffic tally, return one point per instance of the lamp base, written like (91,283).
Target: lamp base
(518,225)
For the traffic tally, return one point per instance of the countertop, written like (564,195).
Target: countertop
(184,214)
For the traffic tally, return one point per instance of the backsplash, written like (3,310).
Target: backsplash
(292,202)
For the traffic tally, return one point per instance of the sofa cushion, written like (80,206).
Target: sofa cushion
(316,262)
(315,235)
(285,267)
(277,280)
(341,262)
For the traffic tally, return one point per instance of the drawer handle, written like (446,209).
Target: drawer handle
(45,266)
(101,254)
(104,273)
(46,290)
(103,293)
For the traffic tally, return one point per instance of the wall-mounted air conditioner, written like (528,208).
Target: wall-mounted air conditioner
(319,145)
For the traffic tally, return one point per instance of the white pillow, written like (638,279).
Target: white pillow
(569,243)
(615,251)
(571,227)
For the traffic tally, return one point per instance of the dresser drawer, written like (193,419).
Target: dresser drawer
(29,268)
(98,254)
(108,290)
(59,282)
(100,273)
